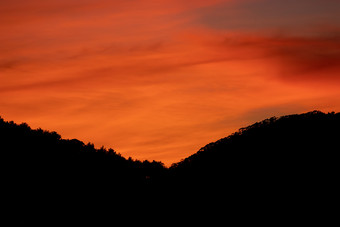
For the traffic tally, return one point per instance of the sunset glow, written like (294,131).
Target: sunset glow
(158,80)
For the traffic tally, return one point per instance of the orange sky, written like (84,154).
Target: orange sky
(160,79)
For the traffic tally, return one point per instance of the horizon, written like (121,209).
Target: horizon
(167,165)
(169,77)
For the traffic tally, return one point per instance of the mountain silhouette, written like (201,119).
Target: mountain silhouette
(281,161)
(289,158)
(280,146)
(280,170)
(43,155)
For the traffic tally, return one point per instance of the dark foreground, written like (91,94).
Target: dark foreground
(280,168)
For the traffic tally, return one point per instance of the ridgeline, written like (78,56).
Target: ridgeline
(277,162)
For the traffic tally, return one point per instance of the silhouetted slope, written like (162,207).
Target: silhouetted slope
(279,168)
(275,146)
(288,155)
(43,157)
(46,179)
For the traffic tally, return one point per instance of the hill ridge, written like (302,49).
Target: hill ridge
(275,137)
(293,140)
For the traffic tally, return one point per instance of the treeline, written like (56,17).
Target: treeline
(44,157)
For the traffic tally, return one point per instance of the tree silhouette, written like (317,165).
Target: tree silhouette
(37,158)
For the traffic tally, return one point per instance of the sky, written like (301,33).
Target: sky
(159,79)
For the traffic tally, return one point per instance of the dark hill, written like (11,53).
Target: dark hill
(39,157)
(273,148)
(280,170)
(287,156)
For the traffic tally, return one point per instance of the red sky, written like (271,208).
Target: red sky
(160,79)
